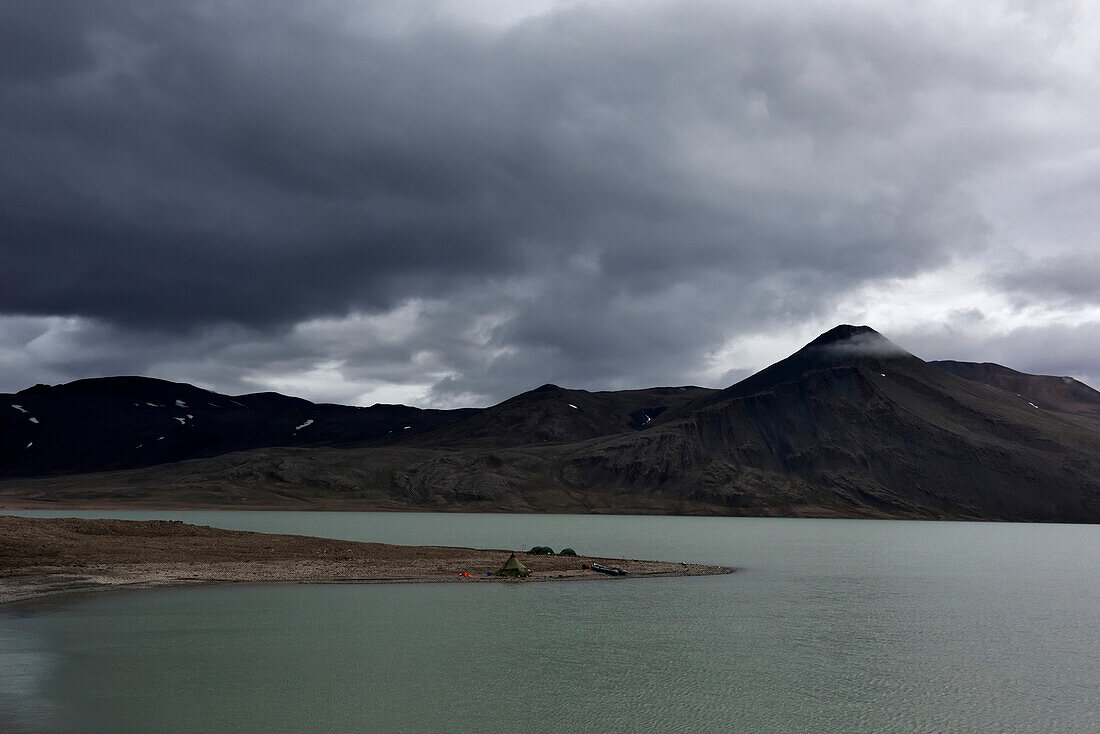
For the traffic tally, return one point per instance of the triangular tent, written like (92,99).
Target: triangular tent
(514,568)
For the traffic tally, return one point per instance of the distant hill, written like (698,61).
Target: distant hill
(851,425)
(1043,392)
(551,414)
(128,422)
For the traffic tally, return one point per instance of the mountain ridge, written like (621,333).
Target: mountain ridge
(849,425)
(125,422)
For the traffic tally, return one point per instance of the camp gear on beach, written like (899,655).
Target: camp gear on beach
(541,550)
(514,568)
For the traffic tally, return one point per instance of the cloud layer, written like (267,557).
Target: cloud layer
(447,203)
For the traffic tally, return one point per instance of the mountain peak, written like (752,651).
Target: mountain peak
(845,332)
(840,346)
(848,342)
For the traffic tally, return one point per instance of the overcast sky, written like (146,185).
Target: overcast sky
(447,203)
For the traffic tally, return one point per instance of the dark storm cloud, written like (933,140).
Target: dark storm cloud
(183,167)
(595,195)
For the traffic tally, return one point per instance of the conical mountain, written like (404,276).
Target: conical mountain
(851,423)
(841,346)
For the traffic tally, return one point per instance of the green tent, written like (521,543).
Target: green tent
(567,552)
(514,568)
(541,550)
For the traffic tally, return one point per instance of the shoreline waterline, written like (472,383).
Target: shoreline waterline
(42,557)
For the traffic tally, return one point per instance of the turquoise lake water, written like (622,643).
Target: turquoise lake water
(829,625)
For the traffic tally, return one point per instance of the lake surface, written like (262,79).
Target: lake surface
(830,625)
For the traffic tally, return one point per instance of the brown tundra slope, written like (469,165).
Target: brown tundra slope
(851,426)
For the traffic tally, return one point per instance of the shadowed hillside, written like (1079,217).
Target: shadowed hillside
(551,414)
(128,422)
(851,425)
(1042,392)
(853,421)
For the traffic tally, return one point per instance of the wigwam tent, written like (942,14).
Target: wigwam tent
(514,568)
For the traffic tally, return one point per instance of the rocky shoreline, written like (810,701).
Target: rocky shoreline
(42,557)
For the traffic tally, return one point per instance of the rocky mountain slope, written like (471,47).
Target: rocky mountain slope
(853,423)
(1042,392)
(850,425)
